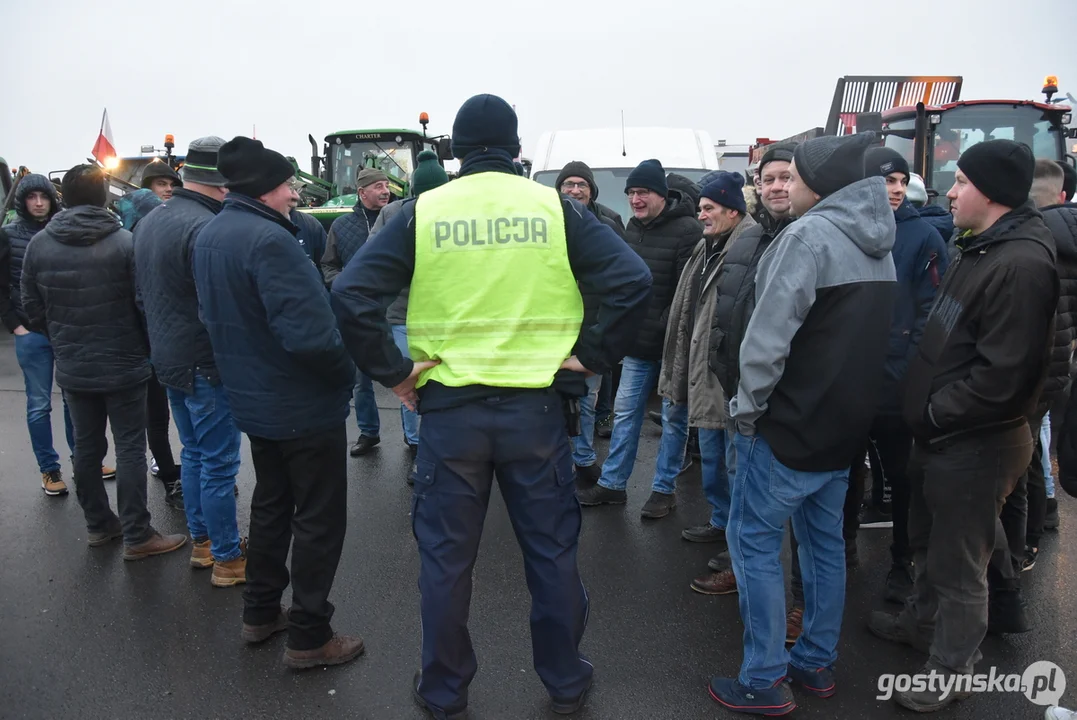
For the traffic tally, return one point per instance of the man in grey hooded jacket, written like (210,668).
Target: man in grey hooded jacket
(811,373)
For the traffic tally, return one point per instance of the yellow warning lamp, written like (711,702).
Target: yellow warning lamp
(1050,86)
(424,120)
(170,141)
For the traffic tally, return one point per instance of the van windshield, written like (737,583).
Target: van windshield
(611,185)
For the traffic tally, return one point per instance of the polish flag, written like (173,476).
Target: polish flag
(104,148)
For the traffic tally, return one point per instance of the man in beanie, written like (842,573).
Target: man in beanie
(185,367)
(810,375)
(664,232)
(733,309)
(970,388)
(161,179)
(916,191)
(287,378)
(577,181)
(78,288)
(920,261)
(685,381)
(494,262)
(429,174)
(348,234)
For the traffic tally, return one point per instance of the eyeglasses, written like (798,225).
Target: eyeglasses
(569,185)
(640,193)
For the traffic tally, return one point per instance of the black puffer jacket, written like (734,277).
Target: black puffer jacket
(78,287)
(164,247)
(665,244)
(13,241)
(1061,220)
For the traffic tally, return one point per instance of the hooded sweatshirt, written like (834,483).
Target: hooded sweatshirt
(812,358)
(983,357)
(78,287)
(13,241)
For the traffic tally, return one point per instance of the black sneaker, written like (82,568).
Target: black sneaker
(413,472)
(1030,559)
(453,715)
(720,562)
(658,505)
(599,495)
(587,476)
(687,464)
(1050,519)
(1006,613)
(872,517)
(852,557)
(569,706)
(604,427)
(899,583)
(729,693)
(704,534)
(364,444)
(174,495)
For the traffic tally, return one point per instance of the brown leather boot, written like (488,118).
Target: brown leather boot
(158,544)
(200,555)
(794,624)
(716,583)
(339,650)
(260,633)
(229,573)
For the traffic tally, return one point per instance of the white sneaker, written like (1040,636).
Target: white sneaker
(1058,713)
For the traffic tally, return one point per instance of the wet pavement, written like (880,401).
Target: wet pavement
(85,635)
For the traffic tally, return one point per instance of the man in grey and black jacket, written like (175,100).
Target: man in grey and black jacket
(78,288)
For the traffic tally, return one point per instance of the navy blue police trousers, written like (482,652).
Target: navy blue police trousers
(519,438)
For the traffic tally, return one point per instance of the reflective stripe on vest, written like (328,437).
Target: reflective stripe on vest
(493,295)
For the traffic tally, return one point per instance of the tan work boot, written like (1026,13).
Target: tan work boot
(201,557)
(53,483)
(158,544)
(339,650)
(260,633)
(113,532)
(230,572)
(108,473)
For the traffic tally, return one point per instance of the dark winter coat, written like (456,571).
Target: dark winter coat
(939,218)
(665,244)
(274,337)
(13,241)
(78,287)
(311,236)
(592,298)
(1061,220)
(982,361)
(920,261)
(164,246)
(348,234)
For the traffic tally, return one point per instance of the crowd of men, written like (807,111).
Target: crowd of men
(814,327)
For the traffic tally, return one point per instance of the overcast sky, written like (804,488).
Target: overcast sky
(738,70)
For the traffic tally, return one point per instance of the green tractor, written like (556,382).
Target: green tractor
(328,190)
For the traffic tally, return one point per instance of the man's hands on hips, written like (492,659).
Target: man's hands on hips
(574,365)
(406,390)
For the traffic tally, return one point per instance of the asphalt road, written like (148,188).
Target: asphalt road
(85,635)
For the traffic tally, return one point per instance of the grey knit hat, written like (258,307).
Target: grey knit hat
(829,163)
(200,165)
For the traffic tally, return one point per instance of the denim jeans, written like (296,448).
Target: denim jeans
(35,357)
(125,411)
(629,409)
(765,493)
(209,462)
(671,447)
(1045,443)
(719,461)
(366,407)
(583,445)
(409,419)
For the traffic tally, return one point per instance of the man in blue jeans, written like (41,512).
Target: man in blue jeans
(663,231)
(183,360)
(35,204)
(811,373)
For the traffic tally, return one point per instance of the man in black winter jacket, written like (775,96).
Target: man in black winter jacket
(35,204)
(973,382)
(664,231)
(78,287)
(183,361)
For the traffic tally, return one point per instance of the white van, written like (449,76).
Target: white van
(612,156)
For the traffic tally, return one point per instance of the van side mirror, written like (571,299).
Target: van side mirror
(445,148)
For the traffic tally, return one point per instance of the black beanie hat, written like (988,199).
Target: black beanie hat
(829,163)
(650,175)
(251,168)
(1000,169)
(580,170)
(485,121)
(882,161)
(728,191)
(159,170)
(1069,180)
(778,152)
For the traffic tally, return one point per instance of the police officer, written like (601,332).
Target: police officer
(495,331)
